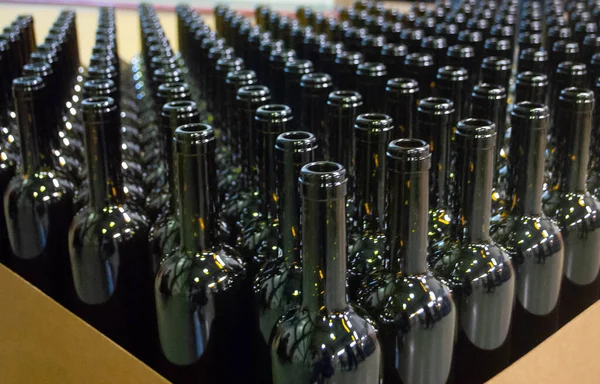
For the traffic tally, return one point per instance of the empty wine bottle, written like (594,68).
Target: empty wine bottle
(531,86)
(343,107)
(38,201)
(277,64)
(277,286)
(203,278)
(496,70)
(344,72)
(108,242)
(294,70)
(464,56)
(478,270)
(315,88)
(367,241)
(164,233)
(533,60)
(532,240)
(452,83)
(258,242)
(323,190)
(570,204)
(401,95)
(421,67)
(407,295)
(328,53)
(370,83)
(435,125)
(393,56)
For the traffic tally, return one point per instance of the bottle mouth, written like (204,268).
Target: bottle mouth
(194,134)
(571,68)
(489,91)
(296,141)
(250,92)
(461,51)
(477,129)
(436,105)
(273,114)
(345,98)
(452,73)
(27,85)
(323,180)
(531,110)
(419,60)
(227,63)
(402,85)
(371,69)
(577,99)
(497,63)
(532,79)
(316,80)
(533,54)
(374,123)
(409,155)
(392,49)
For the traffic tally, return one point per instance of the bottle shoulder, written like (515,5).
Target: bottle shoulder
(112,222)
(40,187)
(574,211)
(277,283)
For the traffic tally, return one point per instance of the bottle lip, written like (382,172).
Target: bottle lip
(345,98)
(329,47)
(469,36)
(497,44)
(531,111)
(591,40)
(408,155)
(480,130)
(374,123)
(253,92)
(241,75)
(316,80)
(323,180)
(273,114)
(299,66)
(564,46)
(179,107)
(533,79)
(282,55)
(296,142)
(434,42)
(419,60)
(41,69)
(412,34)
(402,85)
(174,87)
(27,86)
(577,99)
(489,91)
(228,62)
(370,68)
(452,73)
(97,107)
(193,135)
(461,51)
(496,63)
(436,106)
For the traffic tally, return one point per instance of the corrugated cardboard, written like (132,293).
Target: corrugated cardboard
(41,342)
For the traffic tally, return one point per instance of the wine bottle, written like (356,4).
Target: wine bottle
(435,46)
(435,125)
(533,60)
(277,286)
(277,65)
(367,241)
(370,47)
(344,70)
(294,70)
(108,242)
(258,240)
(452,83)
(197,287)
(371,78)
(531,86)
(38,201)
(337,144)
(393,56)
(464,56)
(328,52)
(401,96)
(496,70)
(570,204)
(344,344)
(421,67)
(315,88)
(407,295)
(449,31)
(478,270)
(164,233)
(532,240)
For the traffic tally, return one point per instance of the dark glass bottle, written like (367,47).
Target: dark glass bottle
(420,66)
(534,60)
(531,239)
(570,204)
(200,306)
(337,144)
(479,271)
(344,72)
(413,309)
(464,56)
(108,242)
(449,31)
(370,83)
(562,50)
(258,241)
(496,70)
(401,95)
(452,83)
(277,286)
(277,64)
(294,70)
(164,233)
(531,86)
(328,53)
(38,200)
(322,322)
(367,241)
(436,47)
(499,48)
(393,56)
(315,88)
(435,125)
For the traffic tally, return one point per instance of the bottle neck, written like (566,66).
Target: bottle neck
(408,220)
(370,178)
(526,169)
(437,131)
(472,208)
(197,191)
(267,180)
(572,149)
(324,254)
(34,119)
(103,158)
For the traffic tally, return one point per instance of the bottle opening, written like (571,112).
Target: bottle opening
(323,167)
(181,104)
(274,108)
(346,93)
(194,128)
(296,135)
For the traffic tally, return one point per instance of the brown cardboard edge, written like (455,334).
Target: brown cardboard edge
(42,342)
(571,355)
